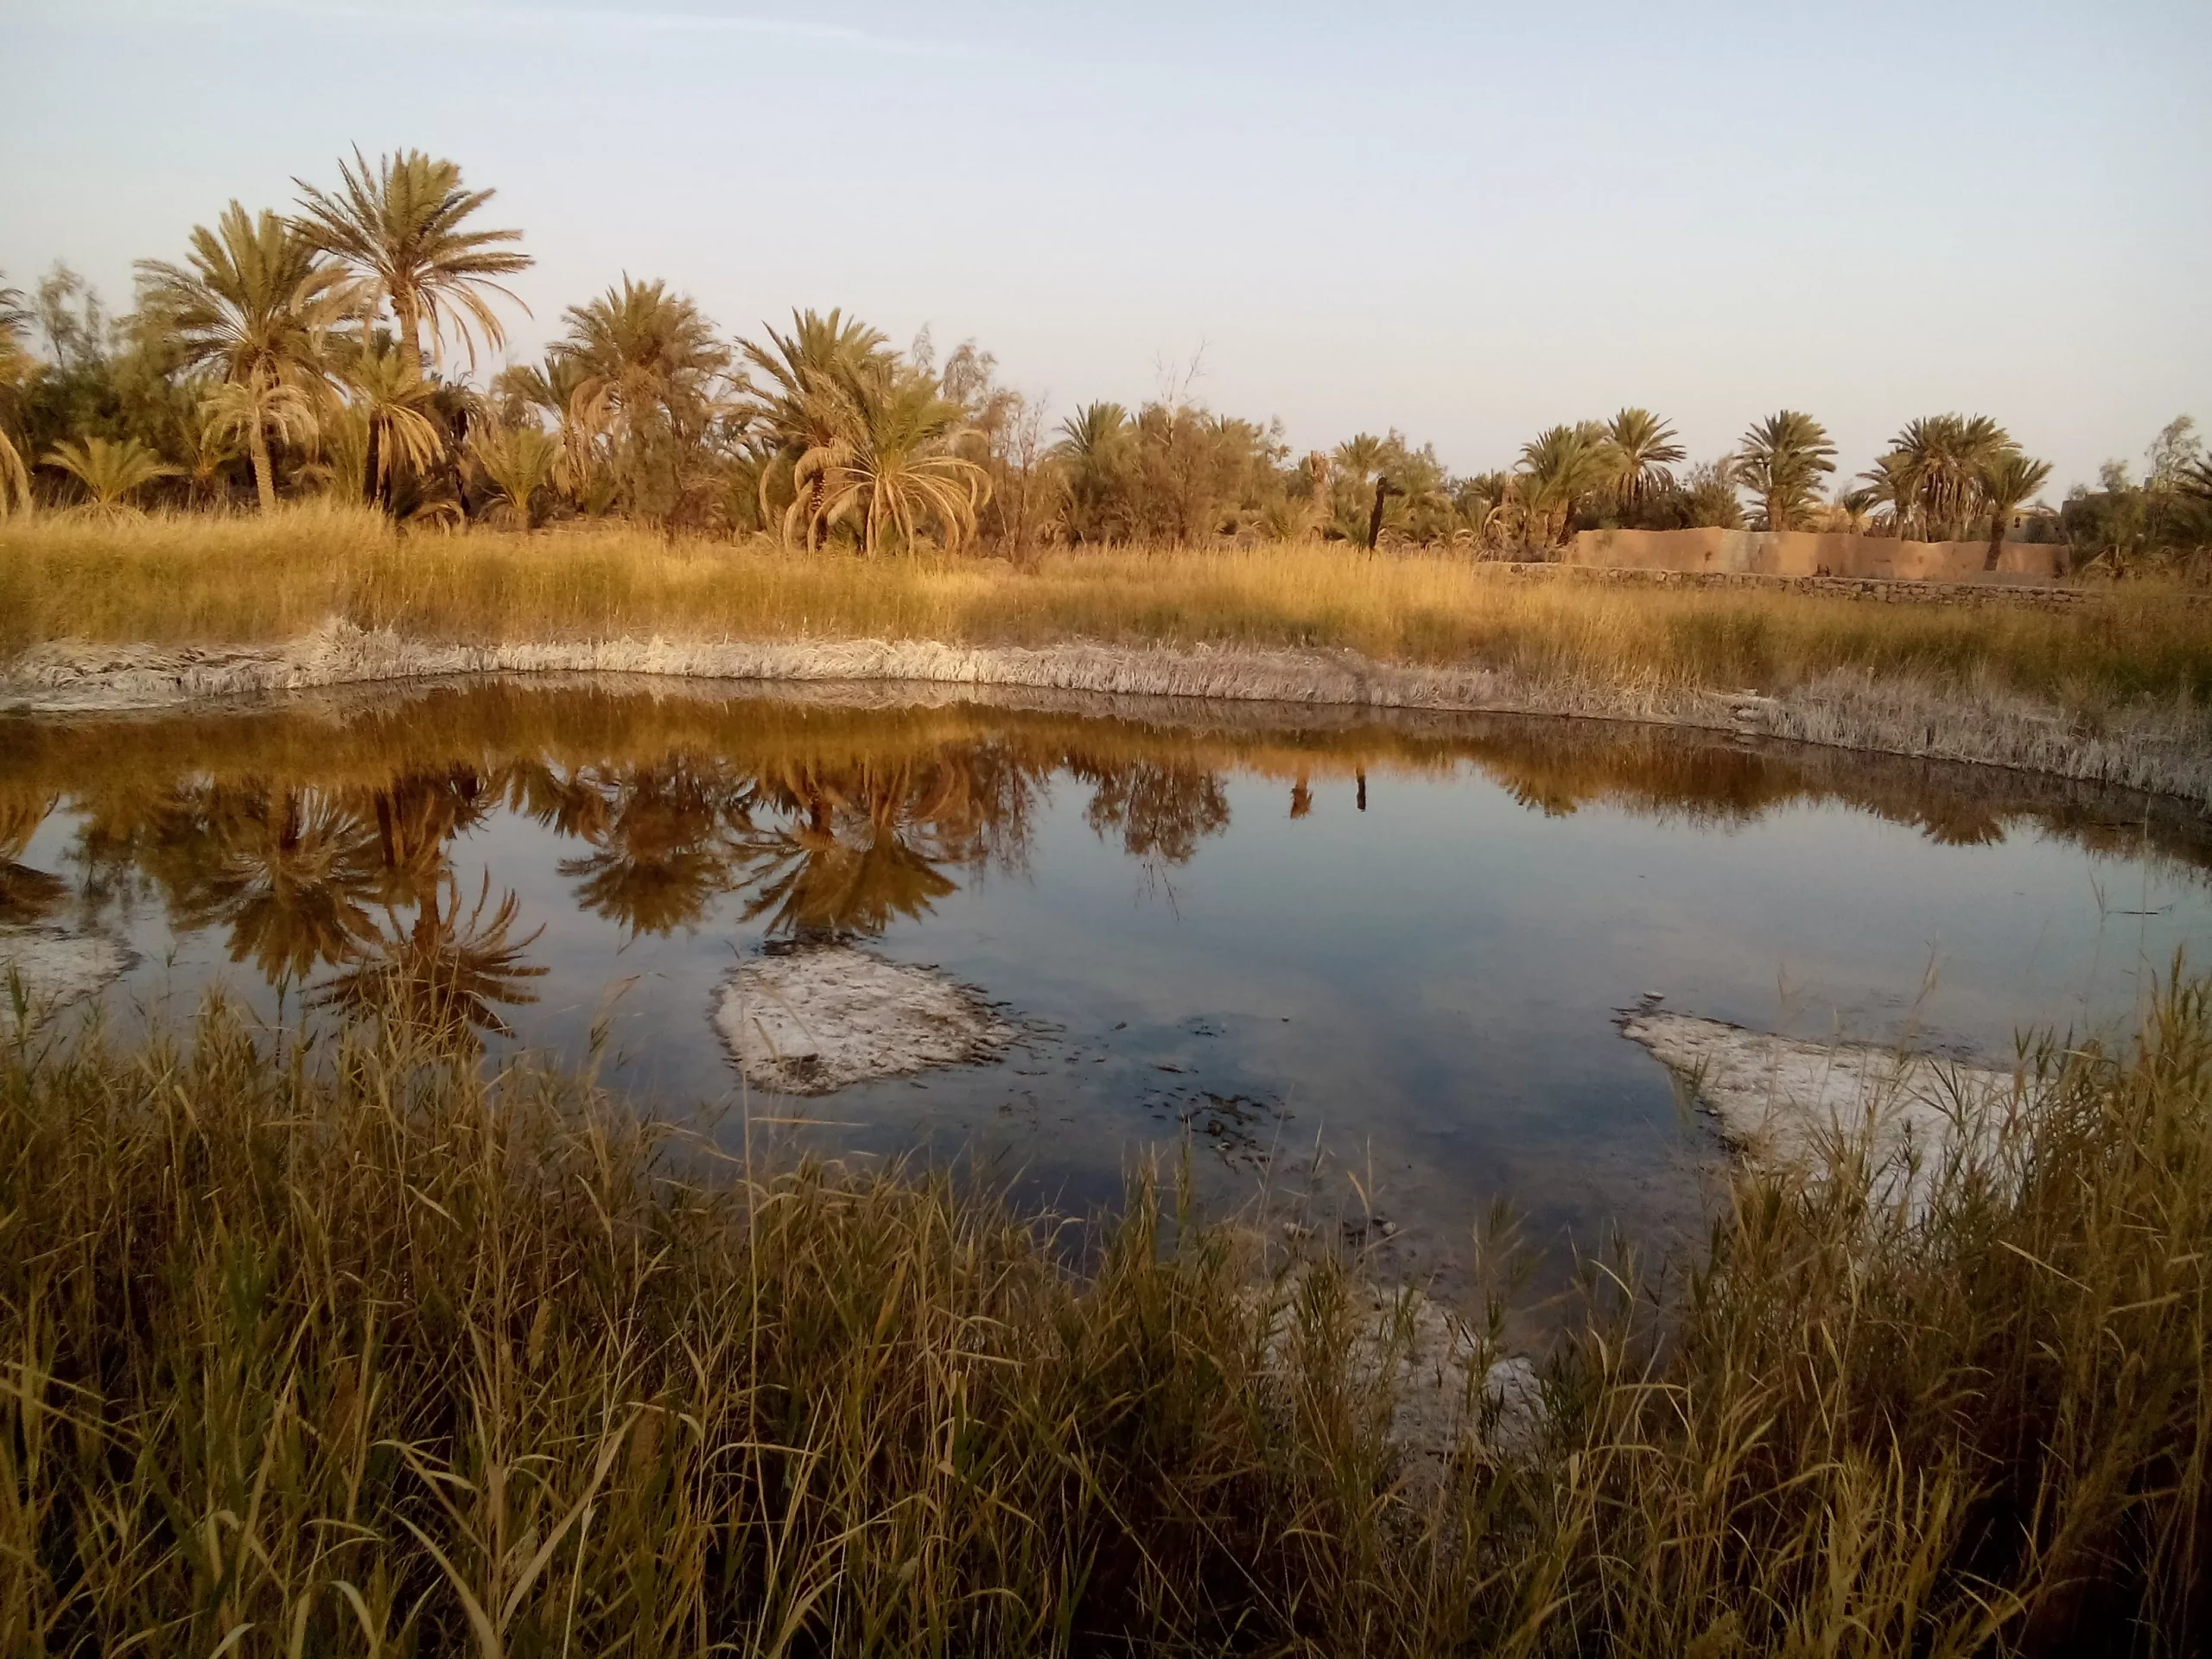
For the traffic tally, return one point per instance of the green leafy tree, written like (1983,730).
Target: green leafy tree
(254,304)
(402,226)
(888,465)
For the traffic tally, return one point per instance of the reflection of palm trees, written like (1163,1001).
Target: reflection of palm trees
(25,894)
(861,846)
(416,816)
(287,871)
(660,853)
(442,978)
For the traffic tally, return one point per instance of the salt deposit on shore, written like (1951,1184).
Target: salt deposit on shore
(2164,750)
(809,1022)
(1780,1100)
(54,968)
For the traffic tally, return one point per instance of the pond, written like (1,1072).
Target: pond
(1378,958)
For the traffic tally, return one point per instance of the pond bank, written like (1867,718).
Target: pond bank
(2164,748)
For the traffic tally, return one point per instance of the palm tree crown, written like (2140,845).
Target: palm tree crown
(399,225)
(1783,461)
(254,305)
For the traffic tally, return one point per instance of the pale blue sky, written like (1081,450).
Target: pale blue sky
(1466,220)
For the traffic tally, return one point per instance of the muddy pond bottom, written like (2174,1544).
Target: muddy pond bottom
(1374,964)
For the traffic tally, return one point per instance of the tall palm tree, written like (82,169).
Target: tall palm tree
(399,225)
(110,472)
(1647,448)
(397,408)
(2008,481)
(254,306)
(1783,461)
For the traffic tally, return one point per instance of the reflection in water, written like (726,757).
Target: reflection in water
(1431,985)
(440,977)
(26,895)
(288,832)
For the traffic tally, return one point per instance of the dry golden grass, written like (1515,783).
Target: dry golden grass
(235,580)
(356,1351)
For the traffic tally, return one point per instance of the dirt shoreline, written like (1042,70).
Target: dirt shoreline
(2161,749)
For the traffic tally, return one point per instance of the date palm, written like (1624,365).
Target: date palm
(1648,449)
(1094,451)
(111,471)
(649,381)
(806,401)
(1783,460)
(1932,471)
(2008,481)
(518,461)
(400,226)
(1560,468)
(888,467)
(17,368)
(397,407)
(255,304)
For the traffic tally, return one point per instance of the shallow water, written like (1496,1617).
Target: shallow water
(1378,957)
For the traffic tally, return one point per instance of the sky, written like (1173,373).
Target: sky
(1464,221)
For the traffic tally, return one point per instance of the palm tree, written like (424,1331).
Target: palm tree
(888,465)
(17,368)
(1783,461)
(254,306)
(519,461)
(399,225)
(2008,481)
(810,372)
(396,405)
(108,470)
(1647,448)
(1931,473)
(1094,448)
(650,380)
(1558,467)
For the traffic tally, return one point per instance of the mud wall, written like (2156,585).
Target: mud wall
(1807,553)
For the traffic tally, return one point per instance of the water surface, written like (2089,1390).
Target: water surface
(1383,955)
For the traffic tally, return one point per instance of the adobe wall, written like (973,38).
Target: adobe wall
(1807,553)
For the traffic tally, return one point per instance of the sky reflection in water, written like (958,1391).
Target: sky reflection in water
(1397,942)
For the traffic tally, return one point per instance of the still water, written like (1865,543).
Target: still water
(1378,956)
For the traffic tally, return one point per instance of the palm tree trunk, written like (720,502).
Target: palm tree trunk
(410,325)
(1996,540)
(264,478)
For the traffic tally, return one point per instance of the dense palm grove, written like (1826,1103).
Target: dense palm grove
(333,352)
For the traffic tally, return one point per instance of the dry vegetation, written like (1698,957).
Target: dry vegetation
(227,581)
(357,1351)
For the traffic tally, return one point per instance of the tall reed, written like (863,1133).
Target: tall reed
(349,1349)
(207,579)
